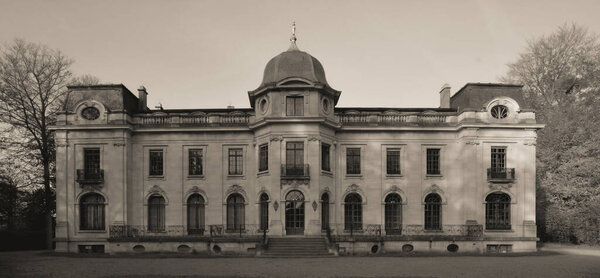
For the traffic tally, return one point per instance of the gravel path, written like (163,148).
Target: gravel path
(38,264)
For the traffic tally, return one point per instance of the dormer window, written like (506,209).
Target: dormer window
(295,106)
(499,111)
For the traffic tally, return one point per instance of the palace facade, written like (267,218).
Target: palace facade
(458,178)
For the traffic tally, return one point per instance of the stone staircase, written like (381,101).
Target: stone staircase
(288,247)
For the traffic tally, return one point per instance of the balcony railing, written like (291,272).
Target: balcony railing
(501,174)
(204,120)
(294,171)
(90,176)
(369,118)
(180,231)
(375,230)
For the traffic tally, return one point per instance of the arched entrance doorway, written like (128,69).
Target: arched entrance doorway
(294,213)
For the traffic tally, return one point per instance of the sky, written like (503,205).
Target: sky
(209,54)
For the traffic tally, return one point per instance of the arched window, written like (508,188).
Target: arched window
(156,213)
(393,214)
(195,213)
(433,212)
(497,211)
(324,211)
(353,212)
(235,212)
(264,212)
(91,212)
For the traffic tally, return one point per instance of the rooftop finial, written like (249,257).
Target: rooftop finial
(293,39)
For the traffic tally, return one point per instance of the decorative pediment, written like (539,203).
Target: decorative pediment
(156,190)
(196,190)
(236,189)
(500,186)
(395,189)
(353,188)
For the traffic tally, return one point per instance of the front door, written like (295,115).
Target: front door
(294,213)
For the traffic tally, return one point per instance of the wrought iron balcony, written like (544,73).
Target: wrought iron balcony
(501,174)
(295,171)
(90,176)
(176,232)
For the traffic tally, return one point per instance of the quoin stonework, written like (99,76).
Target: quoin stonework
(295,174)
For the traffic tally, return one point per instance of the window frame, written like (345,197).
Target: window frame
(431,172)
(99,211)
(150,162)
(325,157)
(201,164)
(238,161)
(236,212)
(500,218)
(387,161)
(263,158)
(349,161)
(497,156)
(86,167)
(353,210)
(263,215)
(199,209)
(433,212)
(297,111)
(160,226)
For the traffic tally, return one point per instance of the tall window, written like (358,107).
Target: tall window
(433,161)
(353,212)
(156,214)
(195,213)
(393,214)
(324,211)
(497,211)
(498,159)
(264,212)
(393,161)
(91,212)
(295,106)
(353,161)
(235,212)
(263,158)
(325,165)
(195,163)
(236,163)
(156,162)
(433,212)
(294,159)
(91,163)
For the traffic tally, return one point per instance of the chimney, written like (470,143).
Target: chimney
(445,96)
(143,99)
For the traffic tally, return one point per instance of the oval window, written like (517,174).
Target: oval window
(90,113)
(499,111)
(452,248)
(263,105)
(326,105)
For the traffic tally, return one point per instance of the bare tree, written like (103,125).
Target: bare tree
(554,64)
(86,79)
(561,77)
(33,83)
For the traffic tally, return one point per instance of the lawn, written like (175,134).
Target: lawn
(544,264)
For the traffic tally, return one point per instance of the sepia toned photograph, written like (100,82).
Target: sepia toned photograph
(314,138)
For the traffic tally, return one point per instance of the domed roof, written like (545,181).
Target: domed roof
(293,63)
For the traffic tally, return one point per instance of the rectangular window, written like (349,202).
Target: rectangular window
(498,159)
(295,106)
(325,166)
(236,163)
(294,159)
(195,162)
(263,158)
(353,161)
(393,161)
(156,162)
(91,163)
(433,162)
